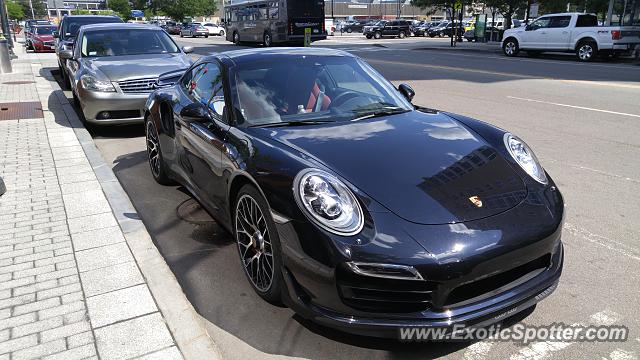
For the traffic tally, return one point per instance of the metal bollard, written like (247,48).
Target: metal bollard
(5,57)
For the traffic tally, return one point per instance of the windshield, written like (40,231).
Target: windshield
(45,30)
(312,88)
(121,42)
(72,25)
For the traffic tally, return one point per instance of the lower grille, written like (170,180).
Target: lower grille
(49,43)
(118,114)
(145,85)
(474,289)
(383,295)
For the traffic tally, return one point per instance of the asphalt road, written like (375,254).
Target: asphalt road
(583,122)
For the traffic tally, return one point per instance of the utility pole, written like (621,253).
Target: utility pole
(332,9)
(526,17)
(398,11)
(4,21)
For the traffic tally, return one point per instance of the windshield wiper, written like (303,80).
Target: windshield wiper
(292,123)
(382,112)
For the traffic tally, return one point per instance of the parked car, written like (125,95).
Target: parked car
(41,38)
(571,32)
(114,67)
(446,30)
(194,30)
(329,26)
(214,29)
(173,28)
(396,28)
(354,26)
(28,24)
(3,188)
(423,28)
(277,144)
(68,30)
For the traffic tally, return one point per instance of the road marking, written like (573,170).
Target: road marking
(580,167)
(619,354)
(605,242)
(505,74)
(478,350)
(605,318)
(453,68)
(575,107)
(540,350)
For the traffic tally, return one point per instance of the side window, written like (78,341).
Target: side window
(273,10)
(559,21)
(208,88)
(540,23)
(587,21)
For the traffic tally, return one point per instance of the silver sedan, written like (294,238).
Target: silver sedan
(114,67)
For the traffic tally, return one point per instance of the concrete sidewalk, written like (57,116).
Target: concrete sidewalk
(79,275)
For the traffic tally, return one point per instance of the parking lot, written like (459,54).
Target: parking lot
(582,120)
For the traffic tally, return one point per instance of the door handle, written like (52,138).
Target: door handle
(203,133)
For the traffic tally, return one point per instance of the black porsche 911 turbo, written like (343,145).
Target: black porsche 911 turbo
(349,204)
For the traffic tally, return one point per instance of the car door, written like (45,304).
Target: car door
(201,128)
(535,34)
(558,32)
(390,28)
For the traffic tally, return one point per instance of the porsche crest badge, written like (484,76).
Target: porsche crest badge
(476,201)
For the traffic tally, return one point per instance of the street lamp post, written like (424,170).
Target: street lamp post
(4,23)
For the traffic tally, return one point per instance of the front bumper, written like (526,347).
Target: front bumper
(43,47)
(476,273)
(123,108)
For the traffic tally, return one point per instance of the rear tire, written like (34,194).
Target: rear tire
(236,38)
(510,47)
(221,33)
(402,35)
(349,30)
(586,50)
(154,155)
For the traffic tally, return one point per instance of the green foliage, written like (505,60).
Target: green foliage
(180,9)
(14,10)
(81,12)
(39,9)
(121,7)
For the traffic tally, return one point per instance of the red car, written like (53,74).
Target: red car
(41,38)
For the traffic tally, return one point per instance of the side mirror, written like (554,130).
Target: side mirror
(407,91)
(56,34)
(66,54)
(187,49)
(194,112)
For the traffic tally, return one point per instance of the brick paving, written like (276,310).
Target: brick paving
(69,285)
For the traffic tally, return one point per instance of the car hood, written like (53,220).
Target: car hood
(118,68)
(425,168)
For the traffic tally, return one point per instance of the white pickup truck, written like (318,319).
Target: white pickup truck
(571,32)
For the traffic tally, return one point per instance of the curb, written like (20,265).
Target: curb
(465,49)
(185,324)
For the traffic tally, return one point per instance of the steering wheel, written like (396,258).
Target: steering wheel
(343,97)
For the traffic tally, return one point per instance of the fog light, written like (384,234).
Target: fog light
(105,115)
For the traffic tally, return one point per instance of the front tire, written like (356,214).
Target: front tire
(586,50)
(154,155)
(236,38)
(258,244)
(368,36)
(221,33)
(510,47)
(401,35)
(377,35)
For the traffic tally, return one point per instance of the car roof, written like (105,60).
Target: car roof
(273,54)
(118,26)
(566,14)
(90,16)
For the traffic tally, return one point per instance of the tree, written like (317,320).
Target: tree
(121,7)
(179,9)
(39,9)
(14,10)
(508,8)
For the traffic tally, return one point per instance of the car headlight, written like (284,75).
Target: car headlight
(524,156)
(89,82)
(328,202)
